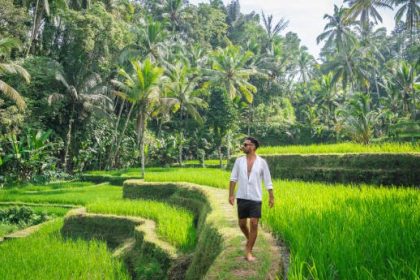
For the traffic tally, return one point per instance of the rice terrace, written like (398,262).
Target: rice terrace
(209,139)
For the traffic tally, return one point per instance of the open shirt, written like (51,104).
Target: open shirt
(250,188)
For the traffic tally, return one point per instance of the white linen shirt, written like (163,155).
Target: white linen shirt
(250,188)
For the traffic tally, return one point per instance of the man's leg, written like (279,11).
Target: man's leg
(244,227)
(252,237)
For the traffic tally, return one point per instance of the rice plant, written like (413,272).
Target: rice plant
(175,225)
(346,147)
(46,255)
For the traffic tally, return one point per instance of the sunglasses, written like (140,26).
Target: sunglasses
(246,144)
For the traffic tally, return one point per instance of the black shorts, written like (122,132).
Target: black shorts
(248,208)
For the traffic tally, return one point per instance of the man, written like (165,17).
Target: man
(248,171)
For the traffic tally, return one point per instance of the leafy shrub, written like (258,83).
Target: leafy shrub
(22,216)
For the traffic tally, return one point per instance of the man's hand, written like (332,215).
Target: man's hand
(271,201)
(231,200)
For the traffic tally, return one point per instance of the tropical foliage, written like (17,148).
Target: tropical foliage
(134,83)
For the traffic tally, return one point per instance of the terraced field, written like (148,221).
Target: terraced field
(331,231)
(173,231)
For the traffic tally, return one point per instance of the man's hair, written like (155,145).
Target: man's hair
(253,141)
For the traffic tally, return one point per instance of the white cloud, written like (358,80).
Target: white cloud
(305,16)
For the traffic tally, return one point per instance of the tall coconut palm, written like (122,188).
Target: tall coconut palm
(183,86)
(83,98)
(271,30)
(337,31)
(150,42)
(6,45)
(40,10)
(142,86)
(366,9)
(411,9)
(175,12)
(231,68)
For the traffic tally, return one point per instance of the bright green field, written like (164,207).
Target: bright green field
(174,225)
(46,255)
(346,147)
(335,232)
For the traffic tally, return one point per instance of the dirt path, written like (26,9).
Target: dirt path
(272,256)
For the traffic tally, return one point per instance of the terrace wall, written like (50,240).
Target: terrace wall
(400,169)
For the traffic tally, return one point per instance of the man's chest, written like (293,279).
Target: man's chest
(250,168)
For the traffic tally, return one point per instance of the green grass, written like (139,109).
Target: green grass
(335,231)
(71,194)
(7,228)
(128,172)
(206,162)
(51,211)
(203,176)
(46,255)
(175,225)
(346,147)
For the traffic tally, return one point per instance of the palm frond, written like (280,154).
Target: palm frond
(11,93)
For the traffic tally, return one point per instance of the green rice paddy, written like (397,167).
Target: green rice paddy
(334,231)
(46,255)
(347,147)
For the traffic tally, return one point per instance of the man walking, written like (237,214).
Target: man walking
(248,171)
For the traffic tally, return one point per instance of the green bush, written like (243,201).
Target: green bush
(22,216)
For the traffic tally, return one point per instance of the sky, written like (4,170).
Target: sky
(305,16)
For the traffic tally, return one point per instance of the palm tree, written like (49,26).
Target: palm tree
(337,31)
(366,9)
(41,9)
(405,78)
(174,11)
(230,68)
(411,9)
(305,65)
(6,45)
(142,86)
(183,87)
(273,31)
(82,97)
(327,98)
(151,42)
(358,118)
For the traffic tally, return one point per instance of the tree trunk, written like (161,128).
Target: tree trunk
(122,135)
(68,140)
(228,146)
(141,126)
(220,156)
(35,25)
(114,137)
(180,147)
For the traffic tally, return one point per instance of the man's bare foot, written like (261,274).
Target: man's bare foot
(249,257)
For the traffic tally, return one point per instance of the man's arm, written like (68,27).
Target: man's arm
(268,184)
(233,179)
(232,192)
(271,198)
